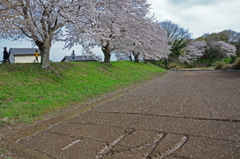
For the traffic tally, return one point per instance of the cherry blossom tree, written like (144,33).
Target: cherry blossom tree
(223,49)
(118,22)
(110,29)
(5,6)
(228,36)
(144,38)
(151,41)
(122,57)
(42,22)
(197,49)
(193,51)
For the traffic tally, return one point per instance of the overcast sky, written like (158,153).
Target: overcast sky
(199,16)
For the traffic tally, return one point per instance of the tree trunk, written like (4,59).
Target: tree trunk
(130,57)
(45,62)
(166,63)
(210,60)
(107,53)
(107,57)
(44,49)
(136,57)
(145,61)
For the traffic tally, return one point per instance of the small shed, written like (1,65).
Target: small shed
(80,58)
(23,55)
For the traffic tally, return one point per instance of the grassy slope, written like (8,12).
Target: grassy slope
(28,92)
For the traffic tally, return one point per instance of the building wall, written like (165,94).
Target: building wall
(66,60)
(11,58)
(26,59)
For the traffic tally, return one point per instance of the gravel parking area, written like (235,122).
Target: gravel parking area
(188,114)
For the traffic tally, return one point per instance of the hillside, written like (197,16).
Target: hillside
(29,92)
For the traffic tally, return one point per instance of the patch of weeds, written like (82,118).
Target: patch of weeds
(220,64)
(2,150)
(2,123)
(228,60)
(6,121)
(236,64)
(171,65)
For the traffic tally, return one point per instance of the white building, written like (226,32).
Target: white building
(23,55)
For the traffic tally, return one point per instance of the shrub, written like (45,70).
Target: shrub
(227,60)
(190,65)
(171,65)
(229,66)
(233,59)
(180,66)
(236,64)
(220,64)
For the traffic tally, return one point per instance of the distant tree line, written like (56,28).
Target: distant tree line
(229,38)
(209,46)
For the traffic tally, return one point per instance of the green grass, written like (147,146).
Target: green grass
(158,63)
(227,60)
(29,92)
(2,149)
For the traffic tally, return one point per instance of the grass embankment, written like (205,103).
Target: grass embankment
(29,92)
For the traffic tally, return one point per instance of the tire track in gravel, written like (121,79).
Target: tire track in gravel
(209,108)
(190,86)
(165,132)
(176,117)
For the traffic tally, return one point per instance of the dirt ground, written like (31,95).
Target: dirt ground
(188,114)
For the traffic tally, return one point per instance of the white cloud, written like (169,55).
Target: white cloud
(199,16)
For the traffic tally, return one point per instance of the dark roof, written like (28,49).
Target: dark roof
(23,51)
(80,58)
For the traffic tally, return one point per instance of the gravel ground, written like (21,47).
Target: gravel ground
(187,114)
